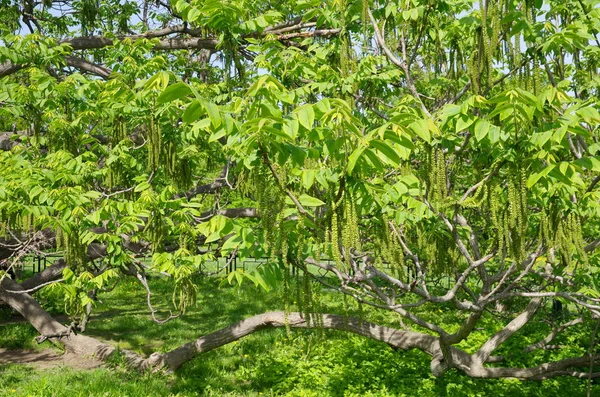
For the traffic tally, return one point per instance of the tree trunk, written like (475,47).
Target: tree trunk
(46,325)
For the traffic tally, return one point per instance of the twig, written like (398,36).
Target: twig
(27,291)
(400,63)
(144,282)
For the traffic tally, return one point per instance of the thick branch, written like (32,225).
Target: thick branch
(51,273)
(87,66)
(9,68)
(511,328)
(396,338)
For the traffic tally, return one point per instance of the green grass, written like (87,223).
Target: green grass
(304,363)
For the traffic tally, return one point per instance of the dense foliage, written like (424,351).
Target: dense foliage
(421,153)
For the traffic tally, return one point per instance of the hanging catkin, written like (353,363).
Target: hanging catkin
(154,143)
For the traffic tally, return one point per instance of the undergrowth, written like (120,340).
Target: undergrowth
(271,362)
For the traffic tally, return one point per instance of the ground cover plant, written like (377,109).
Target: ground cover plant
(301,363)
(413,158)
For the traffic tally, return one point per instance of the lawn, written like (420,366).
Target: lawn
(271,362)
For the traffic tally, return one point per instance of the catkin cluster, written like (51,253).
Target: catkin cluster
(74,252)
(387,243)
(437,189)
(270,202)
(563,234)
(349,227)
(480,65)
(436,248)
(154,138)
(510,219)
(334,230)
(156,228)
(114,171)
(177,168)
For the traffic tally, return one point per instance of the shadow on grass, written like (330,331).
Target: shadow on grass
(270,362)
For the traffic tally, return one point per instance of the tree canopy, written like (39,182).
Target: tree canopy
(419,153)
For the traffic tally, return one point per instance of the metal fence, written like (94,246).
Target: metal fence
(220,266)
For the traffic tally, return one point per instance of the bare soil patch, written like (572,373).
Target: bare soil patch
(46,359)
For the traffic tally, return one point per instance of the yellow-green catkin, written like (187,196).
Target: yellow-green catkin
(75,252)
(317,319)
(474,72)
(300,303)
(270,203)
(344,40)
(334,231)
(337,256)
(517,213)
(58,239)
(154,138)
(119,131)
(437,174)
(307,295)
(477,199)
(156,231)
(350,233)
(389,247)
(365,22)
(494,38)
(496,215)
(485,61)
(569,240)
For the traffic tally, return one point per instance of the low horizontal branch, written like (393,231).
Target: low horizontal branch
(398,339)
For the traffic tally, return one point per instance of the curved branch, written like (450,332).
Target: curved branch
(397,339)
(544,342)
(49,274)
(501,336)
(87,66)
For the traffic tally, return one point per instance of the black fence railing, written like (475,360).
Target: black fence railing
(220,266)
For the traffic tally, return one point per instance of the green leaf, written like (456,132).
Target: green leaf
(421,128)
(141,187)
(354,158)
(482,128)
(414,14)
(374,160)
(306,116)
(589,163)
(533,178)
(173,92)
(464,122)
(215,136)
(386,150)
(309,201)
(290,128)
(308,178)
(193,112)
(35,191)
(213,114)
(193,14)
(68,274)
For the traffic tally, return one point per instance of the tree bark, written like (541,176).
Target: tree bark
(46,325)
(398,339)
